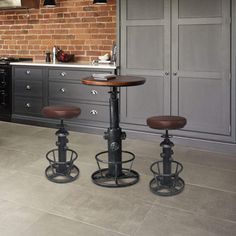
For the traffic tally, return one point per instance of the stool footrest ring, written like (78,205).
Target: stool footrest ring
(102,176)
(166,184)
(61,172)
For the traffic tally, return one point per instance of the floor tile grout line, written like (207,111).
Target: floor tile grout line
(212,188)
(62,216)
(87,223)
(211,167)
(140,225)
(206,166)
(194,213)
(179,146)
(15,149)
(27,152)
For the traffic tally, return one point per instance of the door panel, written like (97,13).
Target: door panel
(145,51)
(141,10)
(200,47)
(201,67)
(143,101)
(199,8)
(144,43)
(204,113)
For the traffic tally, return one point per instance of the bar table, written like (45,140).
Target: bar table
(115,174)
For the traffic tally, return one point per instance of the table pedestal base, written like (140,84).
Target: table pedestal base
(120,178)
(115,174)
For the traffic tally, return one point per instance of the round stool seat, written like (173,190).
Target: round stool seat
(61,112)
(166,122)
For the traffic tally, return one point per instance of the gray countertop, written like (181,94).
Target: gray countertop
(69,65)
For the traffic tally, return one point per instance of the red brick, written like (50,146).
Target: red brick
(77,26)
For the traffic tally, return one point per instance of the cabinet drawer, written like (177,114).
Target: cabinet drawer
(27,106)
(94,112)
(60,74)
(28,73)
(78,91)
(89,112)
(28,88)
(68,74)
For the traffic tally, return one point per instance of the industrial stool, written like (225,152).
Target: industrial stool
(166,181)
(61,168)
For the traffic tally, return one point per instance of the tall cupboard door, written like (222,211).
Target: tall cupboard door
(201,64)
(183,48)
(145,51)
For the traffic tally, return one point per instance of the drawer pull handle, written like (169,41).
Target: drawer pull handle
(27,105)
(62,90)
(93,112)
(94,92)
(27,87)
(63,74)
(28,72)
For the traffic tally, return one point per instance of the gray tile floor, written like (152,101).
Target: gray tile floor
(32,206)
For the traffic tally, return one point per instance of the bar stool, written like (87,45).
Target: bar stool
(166,181)
(61,159)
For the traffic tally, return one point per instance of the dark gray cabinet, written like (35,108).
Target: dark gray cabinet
(183,49)
(65,87)
(38,86)
(27,91)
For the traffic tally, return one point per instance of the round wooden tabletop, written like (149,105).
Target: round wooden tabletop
(118,81)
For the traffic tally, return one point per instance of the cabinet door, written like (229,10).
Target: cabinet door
(145,51)
(201,64)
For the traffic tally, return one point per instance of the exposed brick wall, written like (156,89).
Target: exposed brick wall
(76,26)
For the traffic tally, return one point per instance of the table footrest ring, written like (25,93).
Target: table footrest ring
(102,176)
(61,172)
(166,184)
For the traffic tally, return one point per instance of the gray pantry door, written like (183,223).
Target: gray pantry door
(145,51)
(183,49)
(201,64)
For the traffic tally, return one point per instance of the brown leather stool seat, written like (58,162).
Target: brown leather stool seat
(166,122)
(166,180)
(61,159)
(61,112)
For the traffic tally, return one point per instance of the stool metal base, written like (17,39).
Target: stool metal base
(104,178)
(62,178)
(166,184)
(61,172)
(163,190)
